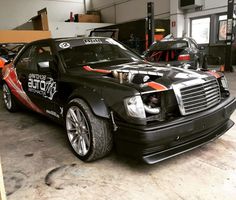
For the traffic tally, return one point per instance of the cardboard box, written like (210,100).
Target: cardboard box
(89,18)
(40,22)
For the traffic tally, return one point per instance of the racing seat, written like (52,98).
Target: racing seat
(44,56)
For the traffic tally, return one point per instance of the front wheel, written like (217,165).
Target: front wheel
(8,99)
(89,136)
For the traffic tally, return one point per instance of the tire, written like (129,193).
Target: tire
(89,136)
(8,99)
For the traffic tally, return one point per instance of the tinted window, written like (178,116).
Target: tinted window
(41,53)
(24,60)
(33,55)
(96,53)
(169,45)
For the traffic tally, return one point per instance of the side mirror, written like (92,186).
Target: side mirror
(202,48)
(44,67)
(47,66)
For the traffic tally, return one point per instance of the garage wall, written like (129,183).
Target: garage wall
(61,29)
(13,13)
(119,11)
(210,7)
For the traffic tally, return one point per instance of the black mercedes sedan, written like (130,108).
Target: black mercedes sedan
(106,95)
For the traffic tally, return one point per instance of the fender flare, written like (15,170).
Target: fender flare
(93,99)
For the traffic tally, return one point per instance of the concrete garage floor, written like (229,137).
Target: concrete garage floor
(38,165)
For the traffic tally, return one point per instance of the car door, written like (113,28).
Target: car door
(37,79)
(22,66)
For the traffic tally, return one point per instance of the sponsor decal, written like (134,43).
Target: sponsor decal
(42,85)
(64,45)
(53,113)
(92,41)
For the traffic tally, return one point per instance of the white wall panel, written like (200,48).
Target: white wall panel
(16,12)
(131,10)
(100,4)
(210,7)
(128,10)
(214,3)
(108,15)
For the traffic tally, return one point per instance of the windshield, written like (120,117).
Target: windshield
(105,54)
(169,45)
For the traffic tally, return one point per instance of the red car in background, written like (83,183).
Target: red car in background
(7,54)
(2,62)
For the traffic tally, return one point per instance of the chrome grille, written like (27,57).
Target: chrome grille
(198,95)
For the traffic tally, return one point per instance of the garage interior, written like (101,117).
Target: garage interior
(36,160)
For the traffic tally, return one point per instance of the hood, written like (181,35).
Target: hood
(144,76)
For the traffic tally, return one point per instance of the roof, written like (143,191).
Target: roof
(175,39)
(76,38)
(66,39)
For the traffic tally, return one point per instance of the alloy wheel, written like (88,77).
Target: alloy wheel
(78,131)
(7,96)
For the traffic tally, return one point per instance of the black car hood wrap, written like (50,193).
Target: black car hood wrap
(145,77)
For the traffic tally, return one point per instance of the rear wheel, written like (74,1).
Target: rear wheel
(8,99)
(89,136)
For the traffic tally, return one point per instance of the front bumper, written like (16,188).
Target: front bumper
(154,143)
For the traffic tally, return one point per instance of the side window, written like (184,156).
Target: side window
(24,60)
(40,55)
(33,56)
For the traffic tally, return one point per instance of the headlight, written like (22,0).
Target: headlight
(134,107)
(224,83)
